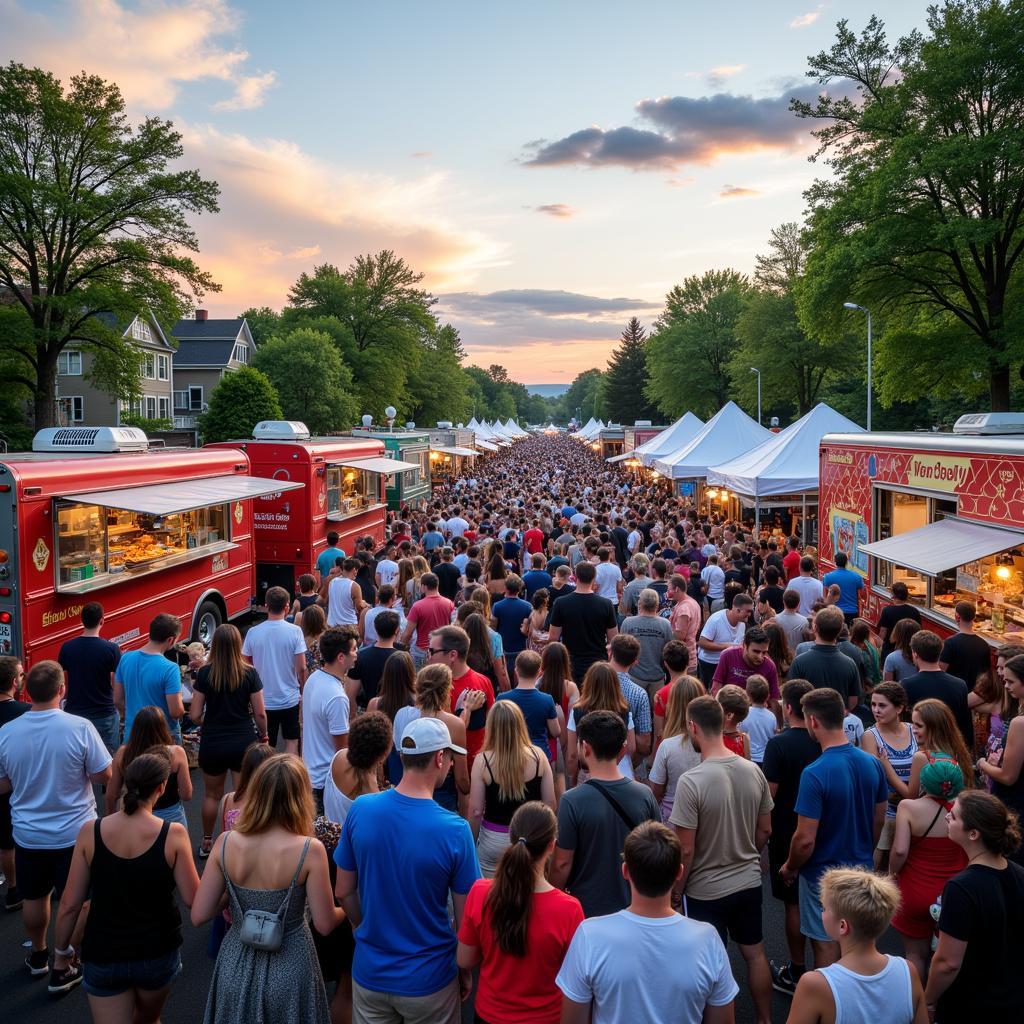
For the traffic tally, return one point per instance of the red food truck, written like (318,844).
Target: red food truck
(343,482)
(95,513)
(943,513)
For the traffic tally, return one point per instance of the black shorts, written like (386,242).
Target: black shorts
(736,916)
(285,719)
(219,755)
(789,894)
(41,872)
(6,832)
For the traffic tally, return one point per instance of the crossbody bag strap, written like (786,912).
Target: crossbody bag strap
(615,805)
(282,913)
(224,866)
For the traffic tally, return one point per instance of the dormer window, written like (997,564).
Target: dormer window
(140,330)
(241,353)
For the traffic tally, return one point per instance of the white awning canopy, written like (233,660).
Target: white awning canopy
(486,445)
(383,467)
(943,545)
(183,495)
(466,452)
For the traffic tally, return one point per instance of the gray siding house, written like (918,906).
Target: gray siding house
(207,350)
(79,400)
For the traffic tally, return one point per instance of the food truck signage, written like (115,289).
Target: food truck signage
(938,472)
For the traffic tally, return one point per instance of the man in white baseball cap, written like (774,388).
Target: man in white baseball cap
(404,963)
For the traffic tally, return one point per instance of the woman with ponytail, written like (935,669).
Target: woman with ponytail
(975,972)
(517,927)
(129,865)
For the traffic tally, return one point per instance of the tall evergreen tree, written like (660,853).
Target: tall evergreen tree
(626,376)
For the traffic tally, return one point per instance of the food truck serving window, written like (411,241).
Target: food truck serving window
(99,545)
(350,490)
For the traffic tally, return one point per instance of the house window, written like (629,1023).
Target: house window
(165,407)
(149,404)
(195,398)
(75,408)
(180,400)
(69,363)
(140,330)
(148,366)
(163,368)
(241,353)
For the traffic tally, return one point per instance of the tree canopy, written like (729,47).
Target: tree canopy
(622,390)
(237,404)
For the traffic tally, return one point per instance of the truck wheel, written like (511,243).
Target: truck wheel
(207,619)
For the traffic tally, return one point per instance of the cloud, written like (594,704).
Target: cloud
(738,192)
(540,301)
(421,154)
(283,209)
(556,210)
(681,130)
(716,76)
(150,51)
(807,19)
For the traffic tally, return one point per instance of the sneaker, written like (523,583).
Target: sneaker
(65,979)
(38,962)
(13,900)
(782,977)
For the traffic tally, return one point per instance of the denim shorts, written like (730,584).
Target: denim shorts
(116,979)
(810,911)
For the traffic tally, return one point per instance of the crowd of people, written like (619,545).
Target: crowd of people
(548,748)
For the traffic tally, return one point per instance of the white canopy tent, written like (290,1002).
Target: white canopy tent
(671,439)
(513,429)
(786,463)
(500,432)
(587,430)
(728,433)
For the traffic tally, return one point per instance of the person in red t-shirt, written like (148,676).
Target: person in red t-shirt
(738,663)
(676,659)
(472,693)
(791,563)
(430,612)
(533,539)
(519,944)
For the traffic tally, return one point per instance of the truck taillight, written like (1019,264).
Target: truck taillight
(5,617)
(5,591)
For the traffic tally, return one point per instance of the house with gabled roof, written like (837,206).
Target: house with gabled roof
(207,350)
(81,400)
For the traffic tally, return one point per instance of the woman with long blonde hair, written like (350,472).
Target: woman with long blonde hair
(433,699)
(228,702)
(675,755)
(601,692)
(508,773)
(270,863)
(938,736)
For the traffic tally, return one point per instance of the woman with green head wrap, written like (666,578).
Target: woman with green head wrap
(923,857)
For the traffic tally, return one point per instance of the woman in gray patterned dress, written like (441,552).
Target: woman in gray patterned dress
(268,861)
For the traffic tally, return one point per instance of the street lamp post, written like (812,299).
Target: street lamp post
(754,369)
(864,309)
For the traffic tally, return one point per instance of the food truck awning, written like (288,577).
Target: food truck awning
(383,467)
(184,495)
(486,445)
(622,457)
(943,545)
(467,452)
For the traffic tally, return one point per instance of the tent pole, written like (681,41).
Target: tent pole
(757,518)
(803,517)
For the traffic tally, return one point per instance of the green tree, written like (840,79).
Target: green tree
(920,220)
(311,381)
(263,322)
(583,399)
(626,376)
(241,399)
(438,387)
(693,340)
(794,365)
(93,219)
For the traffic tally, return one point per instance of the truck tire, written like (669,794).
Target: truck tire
(207,619)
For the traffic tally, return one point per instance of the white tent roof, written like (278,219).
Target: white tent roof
(671,439)
(787,463)
(499,431)
(472,424)
(730,432)
(587,430)
(483,431)
(516,430)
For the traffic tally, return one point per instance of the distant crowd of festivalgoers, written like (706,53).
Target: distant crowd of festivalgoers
(547,749)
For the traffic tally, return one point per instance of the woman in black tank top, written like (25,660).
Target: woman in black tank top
(129,864)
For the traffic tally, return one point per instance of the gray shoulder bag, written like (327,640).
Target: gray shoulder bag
(262,929)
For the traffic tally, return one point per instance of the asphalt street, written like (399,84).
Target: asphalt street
(26,1001)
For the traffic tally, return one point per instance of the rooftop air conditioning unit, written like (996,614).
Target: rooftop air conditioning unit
(280,430)
(90,439)
(445,424)
(642,423)
(990,423)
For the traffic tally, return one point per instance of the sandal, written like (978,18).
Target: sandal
(205,847)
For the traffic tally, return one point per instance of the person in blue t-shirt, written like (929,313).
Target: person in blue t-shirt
(147,677)
(850,585)
(840,808)
(433,538)
(404,962)
(507,618)
(537,577)
(328,558)
(538,708)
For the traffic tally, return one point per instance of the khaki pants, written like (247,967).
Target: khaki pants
(441,1007)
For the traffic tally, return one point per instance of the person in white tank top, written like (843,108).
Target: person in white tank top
(864,986)
(354,770)
(344,598)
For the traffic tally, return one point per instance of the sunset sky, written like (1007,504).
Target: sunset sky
(553,167)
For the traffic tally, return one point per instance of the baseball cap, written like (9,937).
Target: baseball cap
(426,735)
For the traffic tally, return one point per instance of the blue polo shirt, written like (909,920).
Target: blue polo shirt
(509,613)
(850,584)
(326,559)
